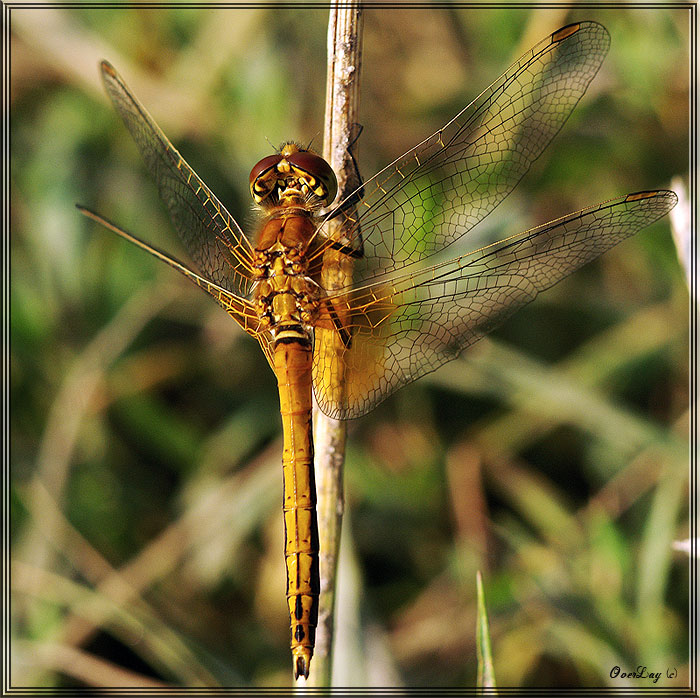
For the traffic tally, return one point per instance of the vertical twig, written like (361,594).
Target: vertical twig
(342,97)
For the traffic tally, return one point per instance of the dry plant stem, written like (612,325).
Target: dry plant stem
(342,96)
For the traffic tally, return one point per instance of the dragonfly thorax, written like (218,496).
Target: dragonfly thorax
(284,296)
(286,300)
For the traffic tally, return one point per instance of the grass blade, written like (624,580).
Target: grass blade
(485,676)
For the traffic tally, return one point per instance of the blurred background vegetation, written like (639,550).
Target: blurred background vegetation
(145,436)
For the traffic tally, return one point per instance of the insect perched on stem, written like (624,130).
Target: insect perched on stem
(400,319)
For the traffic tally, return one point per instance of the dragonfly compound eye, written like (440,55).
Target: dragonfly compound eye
(326,184)
(261,184)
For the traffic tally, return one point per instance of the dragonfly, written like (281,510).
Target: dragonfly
(398,317)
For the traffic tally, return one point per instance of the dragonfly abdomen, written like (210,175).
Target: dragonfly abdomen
(286,299)
(293,356)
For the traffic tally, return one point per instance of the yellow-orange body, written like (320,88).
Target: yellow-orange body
(286,299)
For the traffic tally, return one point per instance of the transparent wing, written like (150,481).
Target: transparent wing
(241,310)
(444,186)
(398,330)
(213,239)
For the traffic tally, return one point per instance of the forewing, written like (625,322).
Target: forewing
(404,328)
(444,186)
(213,239)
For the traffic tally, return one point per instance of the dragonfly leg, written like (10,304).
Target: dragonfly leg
(345,336)
(355,253)
(354,182)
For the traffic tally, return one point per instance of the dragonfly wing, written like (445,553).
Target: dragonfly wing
(210,234)
(444,186)
(403,328)
(241,310)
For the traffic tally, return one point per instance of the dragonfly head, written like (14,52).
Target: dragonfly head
(293,176)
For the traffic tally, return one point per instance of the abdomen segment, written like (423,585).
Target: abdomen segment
(293,369)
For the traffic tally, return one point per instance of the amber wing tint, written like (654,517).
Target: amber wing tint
(406,326)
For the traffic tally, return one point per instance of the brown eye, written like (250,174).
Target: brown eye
(317,167)
(263,166)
